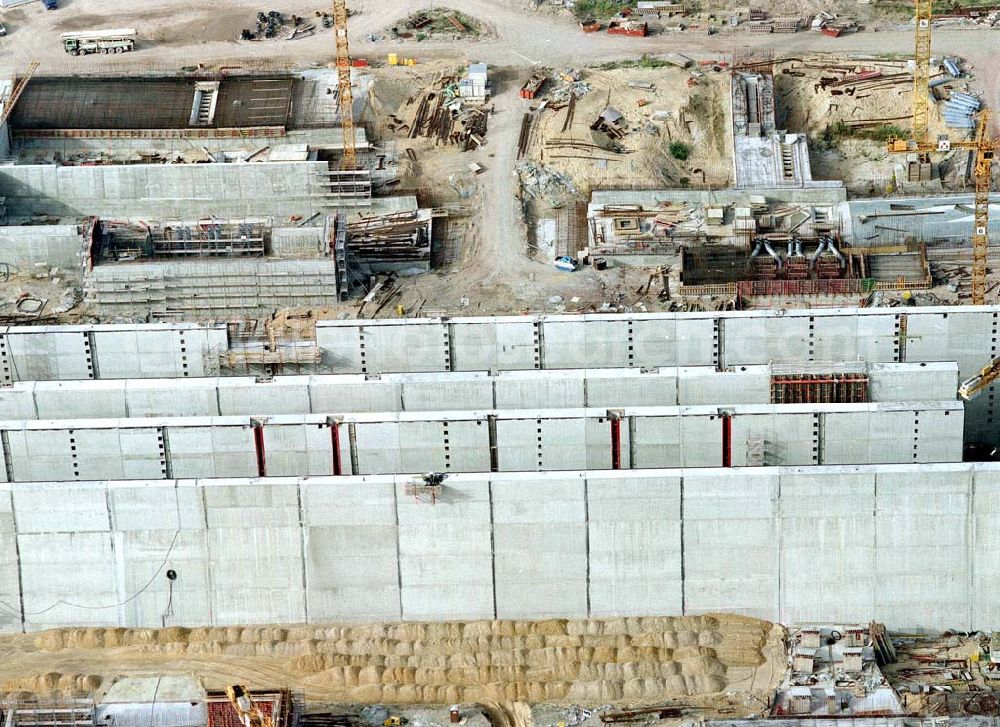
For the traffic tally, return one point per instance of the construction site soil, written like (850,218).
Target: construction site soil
(556,661)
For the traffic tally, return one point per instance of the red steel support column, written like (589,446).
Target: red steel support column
(727,440)
(335,442)
(258,445)
(615,417)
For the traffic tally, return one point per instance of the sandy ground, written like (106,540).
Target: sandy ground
(585,662)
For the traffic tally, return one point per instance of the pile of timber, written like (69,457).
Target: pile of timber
(436,117)
(396,236)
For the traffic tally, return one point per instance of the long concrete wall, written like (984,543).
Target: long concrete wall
(493,440)
(966,335)
(164,190)
(452,391)
(912,546)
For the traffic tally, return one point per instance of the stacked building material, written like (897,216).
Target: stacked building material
(959,110)
(398,237)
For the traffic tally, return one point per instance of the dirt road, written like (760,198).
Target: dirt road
(180,33)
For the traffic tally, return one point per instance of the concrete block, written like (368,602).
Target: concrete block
(446,392)
(730,544)
(922,561)
(445,553)
(80,400)
(212,451)
(282,395)
(617,388)
(354,393)
(634,545)
(65,570)
(172,397)
(493,344)
(405,348)
(540,389)
(827,536)
(540,548)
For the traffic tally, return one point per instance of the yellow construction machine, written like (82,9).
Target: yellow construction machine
(245,706)
(974,386)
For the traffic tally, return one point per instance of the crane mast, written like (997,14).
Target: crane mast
(983,144)
(980,237)
(344,95)
(921,72)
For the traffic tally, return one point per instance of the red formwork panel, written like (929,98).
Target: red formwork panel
(222,714)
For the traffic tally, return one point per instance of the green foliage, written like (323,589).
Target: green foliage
(679,150)
(883,133)
(644,61)
(600,8)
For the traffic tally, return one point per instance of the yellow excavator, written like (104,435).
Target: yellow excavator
(974,386)
(245,706)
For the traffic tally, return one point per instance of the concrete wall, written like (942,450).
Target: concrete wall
(726,340)
(966,335)
(59,353)
(529,440)
(912,546)
(56,246)
(354,393)
(164,190)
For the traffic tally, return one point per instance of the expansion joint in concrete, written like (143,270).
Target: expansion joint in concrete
(90,350)
(901,334)
(17,553)
(493,549)
(163,440)
(683,557)
(631,343)
(719,343)
(399,554)
(352,436)
(449,348)
(586,535)
(818,433)
(7,460)
(539,343)
(8,373)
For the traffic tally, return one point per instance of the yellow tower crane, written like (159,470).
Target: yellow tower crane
(346,100)
(922,71)
(16,91)
(984,146)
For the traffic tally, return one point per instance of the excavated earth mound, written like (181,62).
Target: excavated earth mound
(562,661)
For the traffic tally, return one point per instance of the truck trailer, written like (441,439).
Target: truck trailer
(117,40)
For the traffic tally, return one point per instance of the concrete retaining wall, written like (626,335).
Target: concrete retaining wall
(961,334)
(55,246)
(503,441)
(906,545)
(164,191)
(351,393)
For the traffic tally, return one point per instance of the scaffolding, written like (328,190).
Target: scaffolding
(820,384)
(119,242)
(68,713)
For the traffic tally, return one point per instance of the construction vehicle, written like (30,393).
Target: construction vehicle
(393,721)
(974,386)
(117,40)
(243,702)
(984,146)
